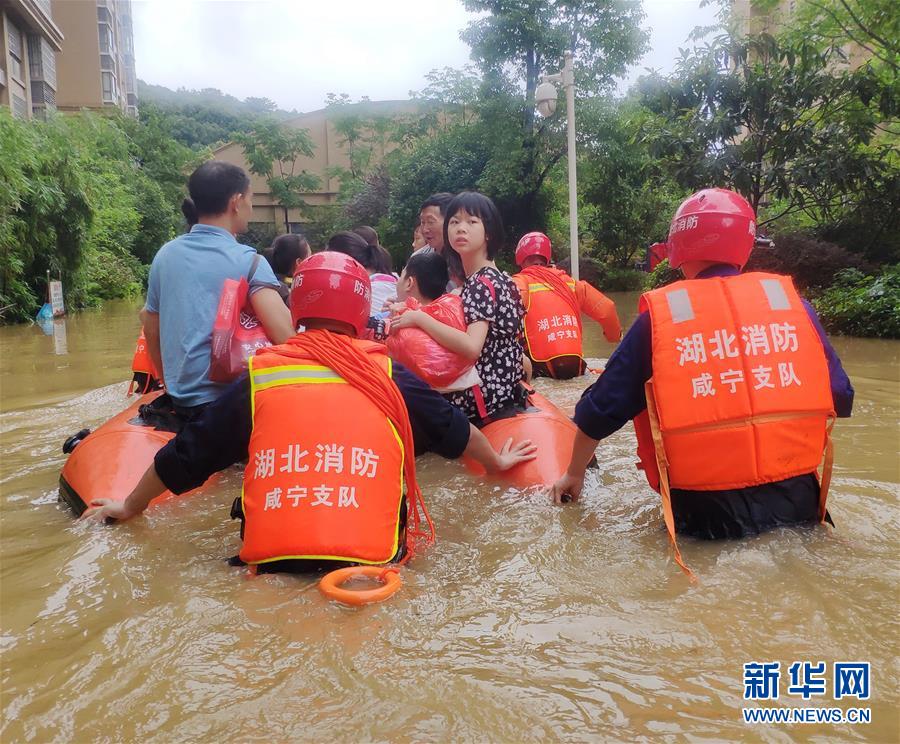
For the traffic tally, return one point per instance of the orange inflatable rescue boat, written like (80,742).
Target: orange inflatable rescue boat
(547,427)
(109,462)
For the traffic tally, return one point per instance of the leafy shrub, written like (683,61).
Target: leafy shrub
(259,235)
(812,263)
(858,304)
(605,277)
(662,275)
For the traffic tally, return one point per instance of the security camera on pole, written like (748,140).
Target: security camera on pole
(545,101)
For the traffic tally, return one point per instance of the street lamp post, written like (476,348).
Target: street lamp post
(545,100)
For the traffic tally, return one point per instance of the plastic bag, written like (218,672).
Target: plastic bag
(420,353)
(237,332)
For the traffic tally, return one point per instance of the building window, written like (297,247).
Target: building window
(16,53)
(109,87)
(19,107)
(41,60)
(106,39)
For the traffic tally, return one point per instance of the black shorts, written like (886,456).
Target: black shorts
(743,512)
(561,368)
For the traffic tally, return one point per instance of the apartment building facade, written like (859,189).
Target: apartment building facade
(95,68)
(30,42)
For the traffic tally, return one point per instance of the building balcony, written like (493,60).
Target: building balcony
(42,95)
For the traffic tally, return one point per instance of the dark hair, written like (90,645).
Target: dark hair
(286,249)
(189,211)
(430,272)
(440,201)
(380,260)
(269,255)
(352,245)
(211,187)
(482,207)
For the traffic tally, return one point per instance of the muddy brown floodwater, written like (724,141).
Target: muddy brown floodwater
(524,622)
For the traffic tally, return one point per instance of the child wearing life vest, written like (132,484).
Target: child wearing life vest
(329,427)
(553,303)
(473,234)
(422,285)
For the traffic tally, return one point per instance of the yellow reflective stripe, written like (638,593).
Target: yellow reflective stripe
(545,288)
(293,374)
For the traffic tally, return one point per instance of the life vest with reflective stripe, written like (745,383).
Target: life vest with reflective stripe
(552,319)
(740,394)
(325,476)
(740,382)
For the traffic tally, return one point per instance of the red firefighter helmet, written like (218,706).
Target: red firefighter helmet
(532,244)
(331,286)
(712,225)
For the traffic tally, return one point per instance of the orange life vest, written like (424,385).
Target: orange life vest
(325,476)
(740,394)
(145,375)
(552,315)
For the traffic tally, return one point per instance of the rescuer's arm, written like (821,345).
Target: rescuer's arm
(217,438)
(150,322)
(841,389)
(599,307)
(443,429)
(611,402)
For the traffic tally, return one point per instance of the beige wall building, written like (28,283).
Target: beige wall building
(96,66)
(752,18)
(29,43)
(330,153)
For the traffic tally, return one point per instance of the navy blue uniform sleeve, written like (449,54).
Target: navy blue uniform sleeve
(437,426)
(841,389)
(217,438)
(618,394)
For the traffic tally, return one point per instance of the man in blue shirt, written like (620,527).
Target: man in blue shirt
(619,394)
(186,280)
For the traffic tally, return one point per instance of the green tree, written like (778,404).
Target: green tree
(627,198)
(780,119)
(272,151)
(524,39)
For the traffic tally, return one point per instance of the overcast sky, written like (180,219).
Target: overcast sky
(297,51)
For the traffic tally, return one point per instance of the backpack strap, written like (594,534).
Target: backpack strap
(253,268)
(491,288)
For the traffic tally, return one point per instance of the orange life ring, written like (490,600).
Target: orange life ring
(330,584)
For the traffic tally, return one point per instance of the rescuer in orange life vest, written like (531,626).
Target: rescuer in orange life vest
(731,382)
(331,427)
(553,303)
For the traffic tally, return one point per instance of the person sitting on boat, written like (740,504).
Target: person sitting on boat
(553,303)
(186,280)
(380,268)
(288,251)
(473,234)
(330,427)
(731,382)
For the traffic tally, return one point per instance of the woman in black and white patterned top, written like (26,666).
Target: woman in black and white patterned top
(473,233)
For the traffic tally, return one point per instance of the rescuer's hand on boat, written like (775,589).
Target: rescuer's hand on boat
(568,488)
(101,509)
(148,488)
